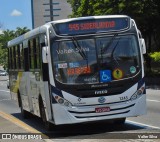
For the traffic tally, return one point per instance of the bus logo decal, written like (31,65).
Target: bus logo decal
(79,99)
(101,100)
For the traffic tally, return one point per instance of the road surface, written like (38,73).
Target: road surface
(99,130)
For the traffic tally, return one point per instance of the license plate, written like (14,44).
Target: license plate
(102,109)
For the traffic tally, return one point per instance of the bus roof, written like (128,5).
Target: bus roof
(88,17)
(27,35)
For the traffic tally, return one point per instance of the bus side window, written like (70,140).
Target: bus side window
(34,53)
(14,57)
(10,58)
(18,57)
(21,56)
(26,62)
(37,54)
(31,53)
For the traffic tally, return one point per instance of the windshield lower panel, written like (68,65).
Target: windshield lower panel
(96,60)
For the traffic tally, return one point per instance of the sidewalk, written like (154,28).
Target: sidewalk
(9,129)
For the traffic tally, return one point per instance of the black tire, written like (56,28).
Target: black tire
(120,121)
(25,114)
(48,126)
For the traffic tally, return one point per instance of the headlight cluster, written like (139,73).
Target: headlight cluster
(137,94)
(62,101)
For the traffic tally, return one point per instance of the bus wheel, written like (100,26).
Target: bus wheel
(47,125)
(25,114)
(120,121)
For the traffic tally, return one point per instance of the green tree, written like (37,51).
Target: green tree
(20,31)
(155,56)
(75,5)
(145,13)
(4,38)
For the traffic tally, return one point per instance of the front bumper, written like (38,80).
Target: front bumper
(81,114)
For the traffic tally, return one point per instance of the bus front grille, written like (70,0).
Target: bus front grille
(90,114)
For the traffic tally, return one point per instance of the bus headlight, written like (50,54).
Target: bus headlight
(137,94)
(62,101)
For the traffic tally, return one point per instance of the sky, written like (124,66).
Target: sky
(15,13)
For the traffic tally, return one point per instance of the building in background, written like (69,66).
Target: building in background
(44,11)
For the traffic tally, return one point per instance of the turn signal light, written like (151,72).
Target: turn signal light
(138,93)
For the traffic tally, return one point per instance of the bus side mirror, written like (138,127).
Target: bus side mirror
(44,54)
(142,45)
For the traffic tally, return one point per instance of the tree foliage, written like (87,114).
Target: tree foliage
(155,56)
(4,38)
(145,13)
(20,31)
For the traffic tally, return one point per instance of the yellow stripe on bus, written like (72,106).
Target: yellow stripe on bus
(16,86)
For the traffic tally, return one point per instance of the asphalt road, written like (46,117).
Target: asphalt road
(102,130)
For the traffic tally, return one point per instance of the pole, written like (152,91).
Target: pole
(51,10)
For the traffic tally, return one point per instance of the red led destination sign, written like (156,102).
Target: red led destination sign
(90,26)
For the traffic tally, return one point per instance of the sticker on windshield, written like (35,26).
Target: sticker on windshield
(62,65)
(133,69)
(105,76)
(117,74)
(74,65)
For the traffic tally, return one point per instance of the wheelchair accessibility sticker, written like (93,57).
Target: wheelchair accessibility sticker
(105,76)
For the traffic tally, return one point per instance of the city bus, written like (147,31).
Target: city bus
(79,70)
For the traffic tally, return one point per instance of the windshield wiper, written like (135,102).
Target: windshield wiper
(77,46)
(114,48)
(105,48)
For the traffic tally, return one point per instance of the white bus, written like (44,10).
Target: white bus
(79,70)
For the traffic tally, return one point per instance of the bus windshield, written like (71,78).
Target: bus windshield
(96,60)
